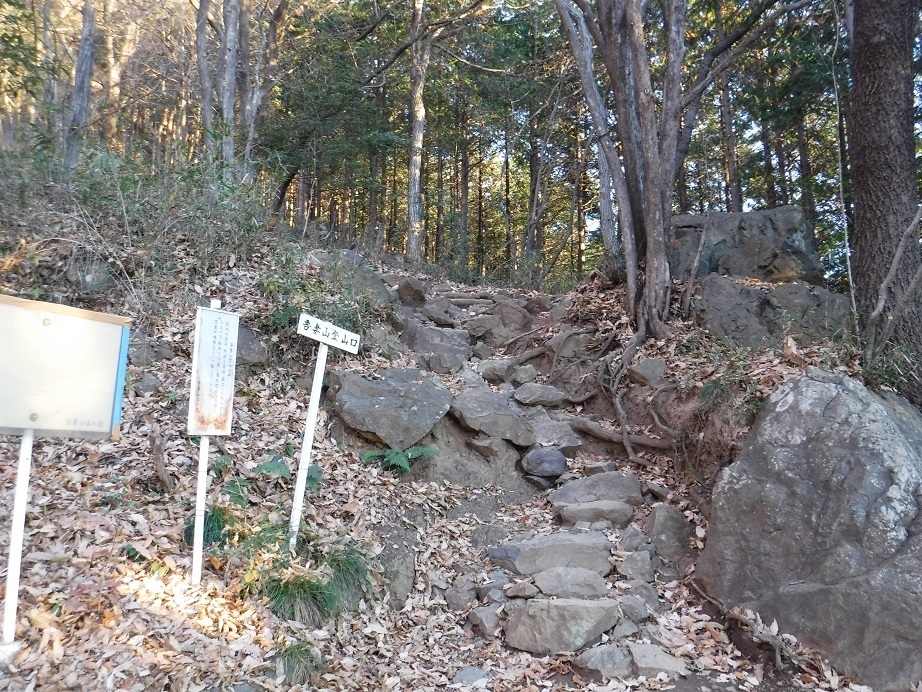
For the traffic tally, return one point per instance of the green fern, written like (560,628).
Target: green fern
(398,460)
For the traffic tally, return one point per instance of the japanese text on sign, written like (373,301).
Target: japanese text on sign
(328,333)
(213,368)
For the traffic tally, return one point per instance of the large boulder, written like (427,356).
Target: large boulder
(819,525)
(398,409)
(441,350)
(564,624)
(747,315)
(771,245)
(486,411)
(500,323)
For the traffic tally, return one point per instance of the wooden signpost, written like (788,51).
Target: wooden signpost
(62,374)
(328,335)
(211,401)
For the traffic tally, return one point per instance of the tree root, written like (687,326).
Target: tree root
(587,426)
(778,644)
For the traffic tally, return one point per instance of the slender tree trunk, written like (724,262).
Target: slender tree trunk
(464,193)
(227,84)
(507,211)
(205,77)
(420,53)
(79,112)
(440,207)
(733,188)
(807,198)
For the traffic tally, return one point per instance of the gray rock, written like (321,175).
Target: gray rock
(250,348)
(547,463)
(747,315)
(650,660)
(144,352)
(496,370)
(600,467)
(614,511)
(398,562)
(601,486)
(771,245)
(538,304)
(497,581)
(589,550)
(565,624)
(636,565)
(439,310)
(492,448)
(819,525)
(523,589)
(524,374)
(440,350)
(399,409)
(461,594)
(647,372)
(482,350)
(558,434)
(634,539)
(490,413)
(532,394)
(349,268)
(469,676)
(412,292)
(646,593)
(568,344)
(486,619)
(634,608)
(489,534)
(625,628)
(540,482)
(670,532)
(500,323)
(571,582)
(148,383)
(609,661)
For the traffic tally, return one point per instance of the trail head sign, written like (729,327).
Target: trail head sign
(62,369)
(214,359)
(327,333)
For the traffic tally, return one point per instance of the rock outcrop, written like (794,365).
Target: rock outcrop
(772,245)
(819,525)
(747,315)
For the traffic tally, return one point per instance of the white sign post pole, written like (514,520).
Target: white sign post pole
(327,334)
(200,492)
(17,530)
(307,446)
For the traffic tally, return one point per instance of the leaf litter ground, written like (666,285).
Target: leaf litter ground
(105,600)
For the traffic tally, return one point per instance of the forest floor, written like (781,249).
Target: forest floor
(106,602)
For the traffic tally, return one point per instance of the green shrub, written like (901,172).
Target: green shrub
(398,460)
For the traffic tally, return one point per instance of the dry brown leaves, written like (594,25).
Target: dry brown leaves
(93,618)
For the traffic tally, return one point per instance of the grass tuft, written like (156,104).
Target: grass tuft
(301,663)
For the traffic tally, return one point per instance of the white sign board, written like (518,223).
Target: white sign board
(327,333)
(62,369)
(214,360)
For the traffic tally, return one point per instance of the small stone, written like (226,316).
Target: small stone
(634,609)
(549,463)
(523,589)
(525,373)
(650,660)
(146,384)
(601,525)
(624,628)
(470,675)
(482,351)
(609,661)
(412,292)
(636,565)
(646,593)
(489,534)
(618,513)
(461,594)
(670,531)
(533,394)
(647,372)
(571,582)
(486,619)
(494,596)
(633,539)
(540,482)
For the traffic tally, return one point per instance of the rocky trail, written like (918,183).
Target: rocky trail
(552,542)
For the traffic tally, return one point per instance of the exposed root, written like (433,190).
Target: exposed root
(778,644)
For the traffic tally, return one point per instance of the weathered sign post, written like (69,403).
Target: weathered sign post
(326,334)
(62,374)
(211,401)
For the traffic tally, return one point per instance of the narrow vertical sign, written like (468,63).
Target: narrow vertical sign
(327,334)
(211,401)
(214,359)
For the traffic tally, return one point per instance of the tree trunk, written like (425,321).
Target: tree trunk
(79,112)
(805,166)
(204,70)
(420,53)
(464,193)
(734,190)
(227,81)
(883,171)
